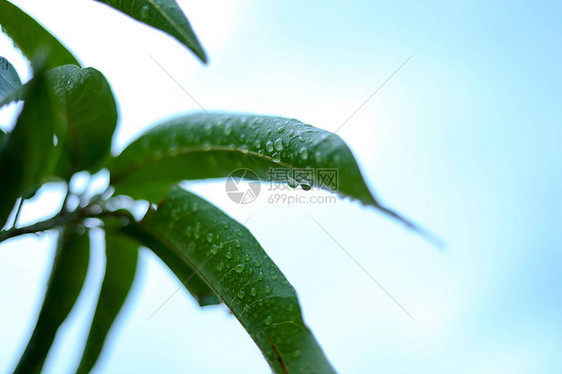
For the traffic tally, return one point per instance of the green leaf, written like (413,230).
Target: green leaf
(121,262)
(88,114)
(9,78)
(203,145)
(67,277)
(89,111)
(31,37)
(231,261)
(165,15)
(28,153)
(174,259)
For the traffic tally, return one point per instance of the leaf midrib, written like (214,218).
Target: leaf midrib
(151,159)
(171,22)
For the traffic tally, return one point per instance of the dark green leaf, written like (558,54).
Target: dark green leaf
(28,153)
(67,277)
(203,146)
(9,78)
(121,262)
(165,15)
(174,259)
(232,262)
(90,115)
(31,37)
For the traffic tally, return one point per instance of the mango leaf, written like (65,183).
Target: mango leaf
(67,277)
(121,262)
(165,15)
(9,78)
(28,153)
(31,37)
(175,261)
(227,256)
(89,111)
(202,145)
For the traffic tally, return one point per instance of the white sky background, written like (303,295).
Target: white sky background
(464,139)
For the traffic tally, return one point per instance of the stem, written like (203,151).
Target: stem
(17,213)
(59,220)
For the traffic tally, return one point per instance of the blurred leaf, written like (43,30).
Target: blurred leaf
(90,114)
(202,145)
(165,15)
(9,78)
(67,277)
(232,262)
(173,258)
(28,153)
(31,37)
(121,262)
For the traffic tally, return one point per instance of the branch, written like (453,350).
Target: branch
(60,219)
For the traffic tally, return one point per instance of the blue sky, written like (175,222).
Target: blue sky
(464,139)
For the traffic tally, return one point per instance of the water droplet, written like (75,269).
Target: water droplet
(274,277)
(228,255)
(144,12)
(241,294)
(227,129)
(261,275)
(247,257)
(226,225)
(269,146)
(292,182)
(318,156)
(239,268)
(303,153)
(268,320)
(306,186)
(214,249)
(244,148)
(291,132)
(240,233)
(276,157)
(220,266)
(281,129)
(210,237)
(253,291)
(250,271)
(267,289)
(257,144)
(208,129)
(278,144)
